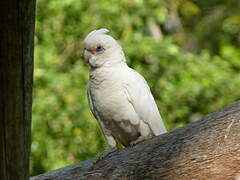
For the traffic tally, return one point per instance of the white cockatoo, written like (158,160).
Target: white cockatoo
(119,97)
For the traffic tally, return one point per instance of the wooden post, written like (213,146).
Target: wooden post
(16,74)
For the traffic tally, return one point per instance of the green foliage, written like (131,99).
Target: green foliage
(192,70)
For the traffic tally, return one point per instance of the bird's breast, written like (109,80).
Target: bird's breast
(106,97)
(112,106)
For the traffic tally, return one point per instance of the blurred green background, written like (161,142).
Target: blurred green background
(188,51)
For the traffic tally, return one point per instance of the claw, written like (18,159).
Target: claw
(140,139)
(105,153)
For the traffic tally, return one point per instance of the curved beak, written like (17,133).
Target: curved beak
(86,55)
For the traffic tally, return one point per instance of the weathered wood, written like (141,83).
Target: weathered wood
(206,149)
(16,72)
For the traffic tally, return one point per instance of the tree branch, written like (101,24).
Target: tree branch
(206,149)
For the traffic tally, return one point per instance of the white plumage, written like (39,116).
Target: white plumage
(119,97)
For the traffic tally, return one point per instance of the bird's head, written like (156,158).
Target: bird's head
(101,49)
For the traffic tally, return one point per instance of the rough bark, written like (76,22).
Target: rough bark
(206,149)
(16,72)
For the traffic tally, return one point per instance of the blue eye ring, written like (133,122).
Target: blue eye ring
(99,49)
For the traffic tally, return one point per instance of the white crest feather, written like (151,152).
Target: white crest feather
(102,31)
(98,31)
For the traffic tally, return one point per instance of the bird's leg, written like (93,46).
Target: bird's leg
(145,133)
(111,146)
(138,140)
(106,152)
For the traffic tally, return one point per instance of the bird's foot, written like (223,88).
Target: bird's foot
(140,139)
(105,153)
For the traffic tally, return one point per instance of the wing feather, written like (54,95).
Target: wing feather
(140,96)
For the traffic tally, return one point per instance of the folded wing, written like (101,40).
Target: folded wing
(140,96)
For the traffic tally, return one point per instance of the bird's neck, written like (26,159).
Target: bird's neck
(105,73)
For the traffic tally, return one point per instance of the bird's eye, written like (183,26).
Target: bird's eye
(99,49)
